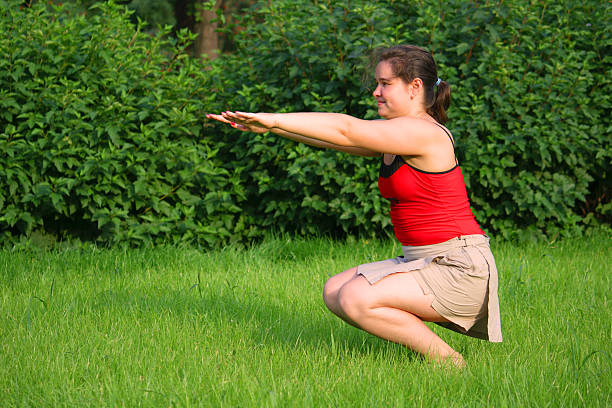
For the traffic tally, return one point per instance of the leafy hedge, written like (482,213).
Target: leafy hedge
(102,134)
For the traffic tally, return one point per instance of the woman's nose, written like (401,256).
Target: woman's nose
(376,91)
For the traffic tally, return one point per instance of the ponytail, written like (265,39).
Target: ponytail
(441,102)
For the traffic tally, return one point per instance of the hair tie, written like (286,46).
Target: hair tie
(438,82)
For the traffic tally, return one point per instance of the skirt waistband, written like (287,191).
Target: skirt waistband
(424,251)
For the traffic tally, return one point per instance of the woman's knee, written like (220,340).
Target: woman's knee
(333,285)
(353,298)
(329,295)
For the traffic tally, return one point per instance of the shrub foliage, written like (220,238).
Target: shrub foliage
(102,133)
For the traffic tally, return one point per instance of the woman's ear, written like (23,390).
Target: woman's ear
(417,86)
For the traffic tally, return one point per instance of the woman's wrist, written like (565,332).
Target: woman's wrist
(274,120)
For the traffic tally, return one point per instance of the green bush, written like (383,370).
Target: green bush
(530,110)
(101,134)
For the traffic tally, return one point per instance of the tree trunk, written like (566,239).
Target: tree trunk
(207,43)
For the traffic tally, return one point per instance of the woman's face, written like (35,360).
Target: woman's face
(392,94)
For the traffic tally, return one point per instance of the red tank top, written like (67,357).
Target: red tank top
(426,208)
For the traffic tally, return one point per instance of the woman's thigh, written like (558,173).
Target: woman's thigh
(399,291)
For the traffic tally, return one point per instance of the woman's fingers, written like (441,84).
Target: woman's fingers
(231,120)
(242,117)
(225,119)
(220,118)
(243,121)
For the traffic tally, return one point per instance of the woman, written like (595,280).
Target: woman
(447,274)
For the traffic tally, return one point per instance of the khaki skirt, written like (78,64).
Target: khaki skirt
(462,276)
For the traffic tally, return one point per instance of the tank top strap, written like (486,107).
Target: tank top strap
(451,139)
(447,133)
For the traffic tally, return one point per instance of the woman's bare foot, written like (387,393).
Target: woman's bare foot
(457,360)
(453,359)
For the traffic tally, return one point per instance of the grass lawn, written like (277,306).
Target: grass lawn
(241,328)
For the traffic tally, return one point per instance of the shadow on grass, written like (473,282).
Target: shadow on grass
(260,320)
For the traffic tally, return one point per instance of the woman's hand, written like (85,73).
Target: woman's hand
(245,121)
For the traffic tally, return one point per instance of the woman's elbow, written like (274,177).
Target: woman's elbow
(347,132)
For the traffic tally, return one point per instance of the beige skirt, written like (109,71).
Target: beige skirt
(462,276)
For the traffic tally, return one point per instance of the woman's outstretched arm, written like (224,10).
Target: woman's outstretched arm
(403,135)
(358,151)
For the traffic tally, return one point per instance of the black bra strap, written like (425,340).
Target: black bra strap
(387,170)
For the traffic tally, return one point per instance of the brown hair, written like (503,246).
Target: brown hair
(409,62)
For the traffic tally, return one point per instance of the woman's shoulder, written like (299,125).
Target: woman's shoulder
(446,131)
(425,127)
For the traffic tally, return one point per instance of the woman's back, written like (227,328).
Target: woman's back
(426,208)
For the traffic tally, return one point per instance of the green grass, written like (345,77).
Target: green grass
(182,327)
